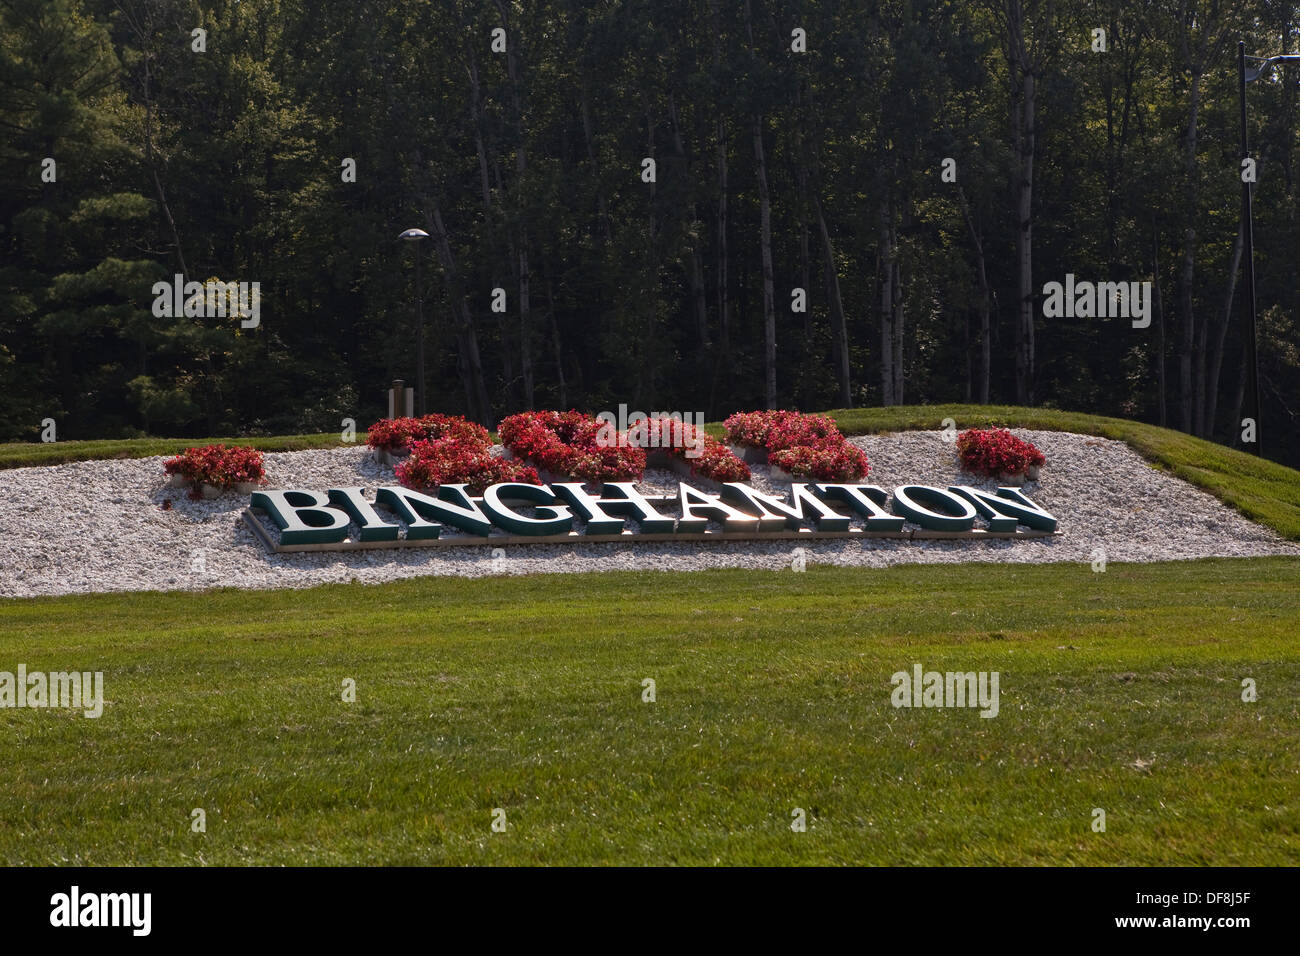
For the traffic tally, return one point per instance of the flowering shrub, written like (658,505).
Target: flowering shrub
(749,429)
(846,463)
(778,430)
(806,446)
(714,461)
(565,443)
(399,434)
(217,465)
(455,460)
(995,451)
(717,463)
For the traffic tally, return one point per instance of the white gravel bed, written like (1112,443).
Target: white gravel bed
(103,525)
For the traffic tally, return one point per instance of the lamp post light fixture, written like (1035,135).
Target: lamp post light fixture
(1249,75)
(414,236)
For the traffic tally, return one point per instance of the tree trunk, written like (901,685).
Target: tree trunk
(984,304)
(839,327)
(898,325)
(1160,327)
(801,177)
(555,340)
(521,169)
(1220,334)
(469,363)
(525,330)
(724,305)
(507,350)
(1240,397)
(152,163)
(886,256)
(1025,244)
(1187,319)
(601,202)
(698,299)
(476,118)
(769,292)
(765,242)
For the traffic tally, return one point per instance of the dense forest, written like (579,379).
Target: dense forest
(689,205)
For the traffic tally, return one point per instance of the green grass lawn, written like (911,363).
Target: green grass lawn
(35,454)
(1260,489)
(1119,690)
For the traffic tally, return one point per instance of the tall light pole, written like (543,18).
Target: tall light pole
(415,235)
(1245,76)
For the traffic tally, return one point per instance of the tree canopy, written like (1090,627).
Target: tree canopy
(686,204)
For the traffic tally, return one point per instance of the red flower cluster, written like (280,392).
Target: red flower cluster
(399,434)
(846,463)
(994,451)
(217,465)
(715,460)
(807,446)
(566,443)
(778,430)
(455,460)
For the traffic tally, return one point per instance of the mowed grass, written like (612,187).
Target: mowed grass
(36,454)
(1119,690)
(1260,489)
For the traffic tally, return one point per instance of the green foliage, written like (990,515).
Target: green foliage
(228,163)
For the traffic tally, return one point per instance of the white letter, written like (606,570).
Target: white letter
(162,301)
(93,700)
(989,694)
(253,308)
(59,915)
(1052,305)
(902,695)
(1140,302)
(141,911)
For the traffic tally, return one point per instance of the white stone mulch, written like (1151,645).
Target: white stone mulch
(102,525)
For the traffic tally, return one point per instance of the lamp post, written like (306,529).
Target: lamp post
(415,235)
(1245,76)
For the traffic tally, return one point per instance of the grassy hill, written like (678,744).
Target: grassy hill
(1119,691)
(1260,489)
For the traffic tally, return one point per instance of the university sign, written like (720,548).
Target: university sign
(516,513)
